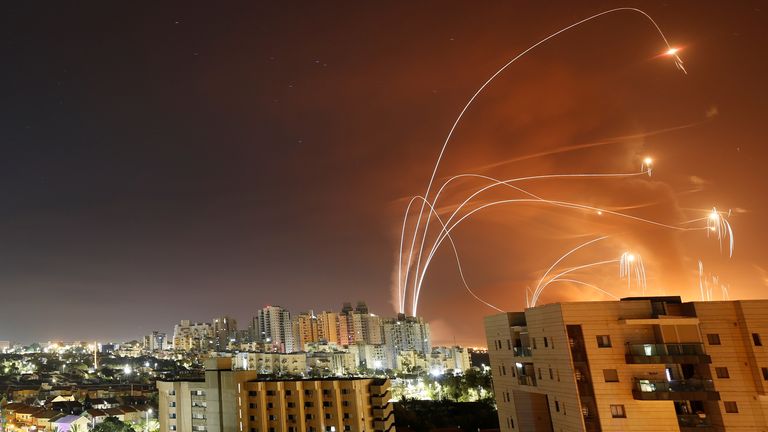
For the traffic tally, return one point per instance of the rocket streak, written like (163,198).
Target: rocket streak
(678,63)
(495,183)
(456,255)
(564,204)
(537,294)
(566,255)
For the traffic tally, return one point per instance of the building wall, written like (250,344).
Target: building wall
(565,376)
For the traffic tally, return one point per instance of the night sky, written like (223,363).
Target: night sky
(168,162)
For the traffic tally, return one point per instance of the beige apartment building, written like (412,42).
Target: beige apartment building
(639,364)
(238,400)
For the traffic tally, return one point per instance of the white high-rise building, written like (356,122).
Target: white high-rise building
(405,333)
(272,326)
(189,336)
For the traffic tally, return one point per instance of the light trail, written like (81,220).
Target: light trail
(556,203)
(559,260)
(497,182)
(536,295)
(589,285)
(670,51)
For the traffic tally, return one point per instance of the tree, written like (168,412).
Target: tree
(113,424)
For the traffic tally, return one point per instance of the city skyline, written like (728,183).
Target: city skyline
(165,164)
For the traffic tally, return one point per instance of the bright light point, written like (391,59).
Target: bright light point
(714,216)
(647,161)
(630,257)
(672,51)
(600,212)
(712,229)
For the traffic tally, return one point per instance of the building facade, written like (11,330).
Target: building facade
(272,326)
(639,364)
(405,333)
(236,400)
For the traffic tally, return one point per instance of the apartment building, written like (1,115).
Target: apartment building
(639,364)
(239,400)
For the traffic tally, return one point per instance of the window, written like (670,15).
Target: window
(551,374)
(347,427)
(291,405)
(308,405)
(765,373)
(251,405)
(538,373)
(344,391)
(546,342)
(713,338)
(308,417)
(251,394)
(287,392)
(503,370)
(307,392)
(617,411)
(756,339)
(270,405)
(511,423)
(252,418)
(326,392)
(270,392)
(509,344)
(327,416)
(603,341)
(327,404)
(558,374)
(722,372)
(272,429)
(534,343)
(731,407)
(611,375)
(346,415)
(272,417)
(557,406)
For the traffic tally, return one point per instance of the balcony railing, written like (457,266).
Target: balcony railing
(667,353)
(675,349)
(692,421)
(522,351)
(697,389)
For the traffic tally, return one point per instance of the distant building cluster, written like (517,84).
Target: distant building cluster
(347,341)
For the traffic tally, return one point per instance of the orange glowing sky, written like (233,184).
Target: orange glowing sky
(198,161)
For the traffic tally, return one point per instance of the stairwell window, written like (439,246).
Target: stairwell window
(756,339)
(617,411)
(604,341)
(713,338)
(722,372)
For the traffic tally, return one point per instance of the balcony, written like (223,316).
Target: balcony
(677,353)
(691,389)
(693,422)
(521,351)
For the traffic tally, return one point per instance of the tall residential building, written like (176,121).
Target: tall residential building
(405,333)
(328,327)
(224,332)
(273,327)
(236,400)
(639,364)
(155,341)
(189,336)
(305,330)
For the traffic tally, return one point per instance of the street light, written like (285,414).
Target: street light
(146,422)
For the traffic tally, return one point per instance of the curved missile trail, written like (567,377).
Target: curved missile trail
(589,285)
(670,50)
(536,295)
(497,182)
(456,254)
(559,260)
(556,203)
